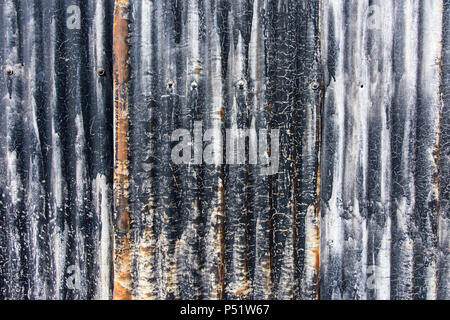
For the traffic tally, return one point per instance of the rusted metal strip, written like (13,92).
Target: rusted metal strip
(121,75)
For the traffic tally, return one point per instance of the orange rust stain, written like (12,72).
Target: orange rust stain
(120,293)
(436,159)
(242,292)
(317,204)
(124,223)
(197,67)
(122,277)
(316,251)
(221,113)
(122,248)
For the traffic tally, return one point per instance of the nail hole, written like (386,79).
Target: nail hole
(9,71)
(170,84)
(194,85)
(362,86)
(240,84)
(315,85)
(101,72)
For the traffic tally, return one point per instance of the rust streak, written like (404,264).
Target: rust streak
(317,206)
(122,272)
(221,113)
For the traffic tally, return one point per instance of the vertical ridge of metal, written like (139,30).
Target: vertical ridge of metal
(117,119)
(443,291)
(427,150)
(121,74)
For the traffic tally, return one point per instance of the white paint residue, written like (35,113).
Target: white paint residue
(101,200)
(13,181)
(146,45)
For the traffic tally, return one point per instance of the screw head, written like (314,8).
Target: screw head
(170,84)
(9,71)
(241,84)
(194,85)
(101,72)
(315,85)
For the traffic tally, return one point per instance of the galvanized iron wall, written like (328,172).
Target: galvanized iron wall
(56,150)
(94,207)
(216,231)
(384,229)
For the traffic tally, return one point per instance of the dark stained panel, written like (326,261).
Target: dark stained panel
(97,98)
(56,150)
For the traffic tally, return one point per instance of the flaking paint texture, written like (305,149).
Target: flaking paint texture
(56,151)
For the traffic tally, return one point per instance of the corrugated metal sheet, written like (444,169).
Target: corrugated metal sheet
(215,231)
(383,114)
(94,205)
(56,150)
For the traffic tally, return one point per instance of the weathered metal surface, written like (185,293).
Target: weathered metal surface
(384,231)
(219,230)
(56,150)
(121,74)
(95,205)
(443,266)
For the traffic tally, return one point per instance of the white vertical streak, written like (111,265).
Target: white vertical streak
(332,226)
(429,90)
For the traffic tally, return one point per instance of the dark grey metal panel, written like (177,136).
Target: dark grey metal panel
(217,230)
(56,151)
